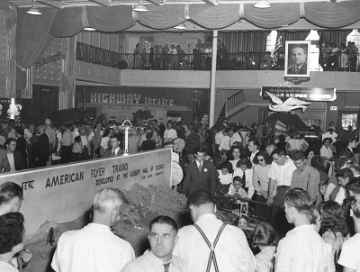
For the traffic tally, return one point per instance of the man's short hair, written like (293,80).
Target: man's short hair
(299,199)
(115,136)
(300,46)
(255,142)
(200,197)
(148,136)
(10,190)
(108,199)
(345,173)
(9,140)
(280,152)
(12,231)
(201,149)
(298,156)
(19,130)
(354,185)
(355,206)
(164,219)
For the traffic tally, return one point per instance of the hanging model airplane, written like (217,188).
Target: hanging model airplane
(288,105)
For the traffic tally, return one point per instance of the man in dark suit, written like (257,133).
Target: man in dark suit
(148,144)
(200,174)
(41,148)
(298,55)
(4,163)
(14,157)
(115,149)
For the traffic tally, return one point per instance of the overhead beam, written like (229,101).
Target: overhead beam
(54,4)
(156,2)
(211,2)
(105,3)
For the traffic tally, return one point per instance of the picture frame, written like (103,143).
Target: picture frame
(297,59)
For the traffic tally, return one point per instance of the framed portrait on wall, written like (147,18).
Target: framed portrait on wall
(296,59)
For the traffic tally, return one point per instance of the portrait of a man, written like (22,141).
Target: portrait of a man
(296,57)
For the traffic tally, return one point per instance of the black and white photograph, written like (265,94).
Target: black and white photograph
(297,58)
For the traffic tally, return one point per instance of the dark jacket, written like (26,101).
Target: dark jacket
(195,180)
(41,148)
(107,153)
(19,161)
(4,162)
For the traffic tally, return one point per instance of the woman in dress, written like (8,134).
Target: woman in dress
(260,180)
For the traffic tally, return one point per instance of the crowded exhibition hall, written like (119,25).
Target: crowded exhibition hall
(179,136)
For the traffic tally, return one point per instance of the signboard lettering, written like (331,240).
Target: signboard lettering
(303,93)
(65,192)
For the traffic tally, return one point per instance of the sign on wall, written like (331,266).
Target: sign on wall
(302,93)
(65,192)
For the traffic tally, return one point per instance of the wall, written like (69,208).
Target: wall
(113,42)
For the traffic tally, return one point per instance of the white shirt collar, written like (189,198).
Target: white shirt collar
(205,217)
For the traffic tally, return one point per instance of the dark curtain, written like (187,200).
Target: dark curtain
(214,17)
(273,17)
(244,41)
(293,35)
(336,36)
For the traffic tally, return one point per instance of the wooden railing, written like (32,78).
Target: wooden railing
(235,100)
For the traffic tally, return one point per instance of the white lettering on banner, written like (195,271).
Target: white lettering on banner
(65,192)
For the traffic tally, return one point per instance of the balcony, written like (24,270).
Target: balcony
(111,68)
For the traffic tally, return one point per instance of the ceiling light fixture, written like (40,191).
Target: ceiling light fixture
(34,10)
(180,26)
(89,29)
(140,7)
(262,4)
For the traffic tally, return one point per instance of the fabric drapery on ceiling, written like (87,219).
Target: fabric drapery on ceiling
(112,19)
(273,17)
(162,17)
(236,42)
(32,42)
(334,36)
(68,22)
(214,17)
(293,35)
(333,15)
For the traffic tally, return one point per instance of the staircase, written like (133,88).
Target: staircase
(235,104)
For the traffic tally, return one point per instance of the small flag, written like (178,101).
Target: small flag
(278,46)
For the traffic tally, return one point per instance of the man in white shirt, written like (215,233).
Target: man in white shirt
(218,136)
(303,249)
(162,238)
(231,250)
(115,149)
(225,144)
(280,175)
(350,253)
(235,137)
(95,247)
(253,148)
(170,133)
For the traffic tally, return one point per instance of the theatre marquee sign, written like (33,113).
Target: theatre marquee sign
(302,93)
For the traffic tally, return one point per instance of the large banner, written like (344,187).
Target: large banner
(63,193)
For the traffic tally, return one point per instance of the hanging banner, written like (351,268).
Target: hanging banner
(65,192)
(302,93)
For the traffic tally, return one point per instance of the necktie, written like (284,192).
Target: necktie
(200,167)
(243,180)
(113,153)
(166,267)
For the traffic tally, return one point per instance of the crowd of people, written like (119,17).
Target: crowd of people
(307,194)
(342,58)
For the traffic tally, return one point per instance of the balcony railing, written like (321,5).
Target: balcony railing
(229,61)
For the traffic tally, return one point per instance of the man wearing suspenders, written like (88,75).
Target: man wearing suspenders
(210,245)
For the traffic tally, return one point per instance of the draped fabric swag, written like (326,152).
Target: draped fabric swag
(214,17)
(71,21)
(162,17)
(236,42)
(273,17)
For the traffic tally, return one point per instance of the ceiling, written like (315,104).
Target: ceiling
(76,3)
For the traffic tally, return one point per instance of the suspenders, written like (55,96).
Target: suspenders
(212,257)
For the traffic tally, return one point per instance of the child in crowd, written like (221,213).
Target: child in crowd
(224,179)
(322,188)
(265,238)
(236,190)
(245,172)
(77,149)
